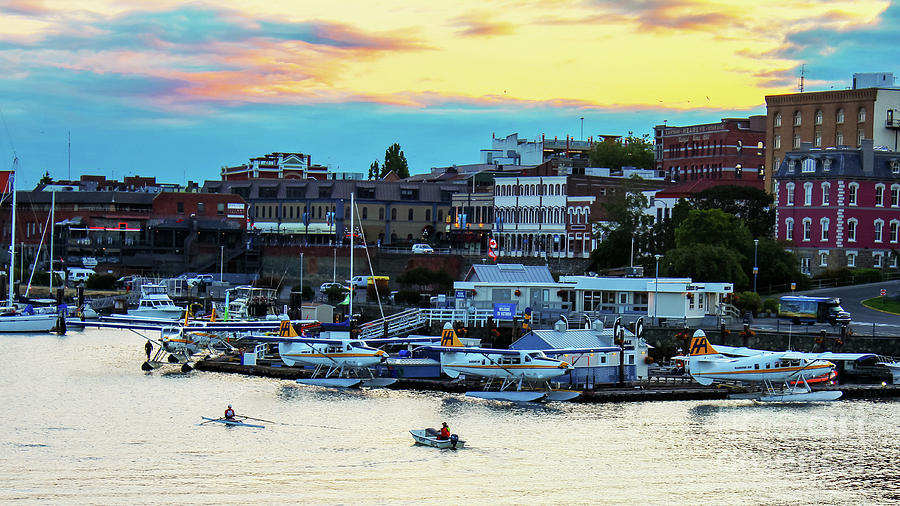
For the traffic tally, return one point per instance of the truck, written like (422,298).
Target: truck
(805,309)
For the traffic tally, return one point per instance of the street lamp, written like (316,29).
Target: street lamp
(755,268)
(301,277)
(582,128)
(656,290)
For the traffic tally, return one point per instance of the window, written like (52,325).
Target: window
(826,164)
(851,230)
(839,138)
(895,195)
(798,118)
(393,213)
(220,208)
(381,213)
(859,138)
(796,141)
(777,142)
(876,258)
(861,115)
(807,194)
(268,192)
(808,165)
(807,229)
(823,259)
(879,195)
(365,193)
(428,215)
(824,223)
(201,208)
(789,229)
(409,193)
(789,189)
(365,213)
(895,166)
(817,140)
(852,190)
(804,265)
(325,192)
(839,117)
(826,189)
(879,225)
(851,259)
(410,215)
(893,230)
(180,206)
(778,119)
(819,117)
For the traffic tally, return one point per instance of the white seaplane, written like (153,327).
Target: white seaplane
(344,362)
(783,376)
(513,367)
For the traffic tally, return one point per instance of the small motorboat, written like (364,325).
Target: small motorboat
(234,422)
(423,437)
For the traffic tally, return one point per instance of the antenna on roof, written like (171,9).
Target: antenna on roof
(802,76)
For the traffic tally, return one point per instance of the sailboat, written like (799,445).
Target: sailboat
(12,318)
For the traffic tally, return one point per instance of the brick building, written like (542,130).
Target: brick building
(831,119)
(730,150)
(839,207)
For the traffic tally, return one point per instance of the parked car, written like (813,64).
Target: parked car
(422,249)
(324,287)
(201,278)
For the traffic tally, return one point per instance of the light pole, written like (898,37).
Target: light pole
(656,290)
(221,263)
(582,128)
(301,276)
(755,268)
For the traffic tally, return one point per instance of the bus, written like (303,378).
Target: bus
(804,309)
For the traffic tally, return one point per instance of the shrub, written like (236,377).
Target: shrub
(866,275)
(748,301)
(100,282)
(770,306)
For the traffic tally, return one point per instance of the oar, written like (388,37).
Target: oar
(257,419)
(210,421)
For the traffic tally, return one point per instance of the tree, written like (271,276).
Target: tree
(630,152)
(626,221)
(752,205)
(374,170)
(710,246)
(395,161)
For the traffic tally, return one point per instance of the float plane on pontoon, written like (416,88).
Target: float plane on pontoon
(515,368)
(782,376)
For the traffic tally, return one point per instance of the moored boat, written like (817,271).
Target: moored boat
(155,303)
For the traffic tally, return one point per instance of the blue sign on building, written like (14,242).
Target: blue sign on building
(460,294)
(504,311)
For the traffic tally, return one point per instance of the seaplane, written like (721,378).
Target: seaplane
(782,376)
(339,360)
(514,368)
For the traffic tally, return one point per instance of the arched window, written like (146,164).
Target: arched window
(879,195)
(839,116)
(365,213)
(819,116)
(851,230)
(393,213)
(778,119)
(410,215)
(861,115)
(826,189)
(895,195)
(852,191)
(798,118)
(879,227)
(807,193)
(807,229)
(824,222)
(428,215)
(789,229)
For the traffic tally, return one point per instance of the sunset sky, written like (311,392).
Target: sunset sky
(178,89)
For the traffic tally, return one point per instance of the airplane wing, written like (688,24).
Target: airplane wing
(738,351)
(580,351)
(480,351)
(828,355)
(381,341)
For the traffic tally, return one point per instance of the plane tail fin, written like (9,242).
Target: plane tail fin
(286,329)
(449,337)
(700,345)
(212,315)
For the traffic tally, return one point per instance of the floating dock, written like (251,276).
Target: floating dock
(648,392)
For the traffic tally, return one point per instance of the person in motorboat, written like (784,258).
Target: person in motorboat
(229,413)
(445,432)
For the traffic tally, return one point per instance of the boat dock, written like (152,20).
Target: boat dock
(649,391)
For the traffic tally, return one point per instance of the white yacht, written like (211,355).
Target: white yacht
(155,303)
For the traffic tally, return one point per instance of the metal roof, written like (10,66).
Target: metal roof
(510,273)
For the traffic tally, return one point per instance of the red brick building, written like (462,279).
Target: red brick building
(727,151)
(840,207)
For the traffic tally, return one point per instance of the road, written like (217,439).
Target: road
(865,321)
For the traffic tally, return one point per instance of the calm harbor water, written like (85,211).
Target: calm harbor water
(83,424)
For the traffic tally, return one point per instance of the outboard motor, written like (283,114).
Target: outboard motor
(453,440)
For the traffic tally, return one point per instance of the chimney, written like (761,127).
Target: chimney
(867,155)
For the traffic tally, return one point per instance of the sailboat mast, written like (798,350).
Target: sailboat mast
(352,229)
(52,228)
(12,233)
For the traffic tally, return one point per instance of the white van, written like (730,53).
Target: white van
(79,274)
(359,281)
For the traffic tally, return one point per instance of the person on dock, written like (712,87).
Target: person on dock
(229,413)
(445,432)
(149,349)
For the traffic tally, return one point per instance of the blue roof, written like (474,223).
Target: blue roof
(842,161)
(555,339)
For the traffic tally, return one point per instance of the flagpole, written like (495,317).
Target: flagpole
(352,212)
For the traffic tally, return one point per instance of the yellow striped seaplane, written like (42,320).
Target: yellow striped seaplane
(516,369)
(781,376)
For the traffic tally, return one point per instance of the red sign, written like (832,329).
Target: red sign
(883,292)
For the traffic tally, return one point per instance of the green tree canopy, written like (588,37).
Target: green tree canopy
(752,205)
(630,152)
(705,262)
(395,160)
(626,220)
(374,170)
